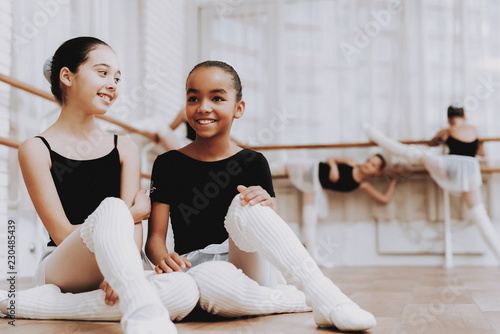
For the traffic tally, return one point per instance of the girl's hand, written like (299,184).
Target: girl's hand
(334,170)
(111,296)
(334,174)
(254,195)
(172,262)
(141,207)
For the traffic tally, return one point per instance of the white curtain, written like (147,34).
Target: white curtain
(334,64)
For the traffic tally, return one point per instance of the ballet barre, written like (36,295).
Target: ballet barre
(394,172)
(346,145)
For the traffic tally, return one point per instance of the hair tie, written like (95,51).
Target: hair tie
(47,68)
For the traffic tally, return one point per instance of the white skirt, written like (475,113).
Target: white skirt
(213,252)
(304,175)
(39,275)
(455,173)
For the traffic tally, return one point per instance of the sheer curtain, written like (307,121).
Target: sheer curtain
(330,65)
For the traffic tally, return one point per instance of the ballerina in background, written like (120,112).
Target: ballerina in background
(457,172)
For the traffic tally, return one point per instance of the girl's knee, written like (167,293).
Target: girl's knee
(245,211)
(178,291)
(211,269)
(113,203)
(235,203)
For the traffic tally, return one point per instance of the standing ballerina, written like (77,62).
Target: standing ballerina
(457,172)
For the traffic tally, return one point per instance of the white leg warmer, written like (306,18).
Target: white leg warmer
(178,292)
(48,302)
(259,228)
(227,291)
(309,226)
(483,222)
(109,233)
(411,153)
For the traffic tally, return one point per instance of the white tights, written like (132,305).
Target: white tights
(259,229)
(48,302)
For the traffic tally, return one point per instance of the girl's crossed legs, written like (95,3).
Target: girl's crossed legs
(103,246)
(259,229)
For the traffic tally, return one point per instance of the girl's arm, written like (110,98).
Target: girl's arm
(180,118)
(136,200)
(383,198)
(439,138)
(156,248)
(334,169)
(34,160)
(129,159)
(480,149)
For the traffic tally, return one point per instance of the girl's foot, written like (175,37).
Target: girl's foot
(346,317)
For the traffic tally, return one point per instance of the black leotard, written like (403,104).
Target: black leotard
(458,147)
(83,184)
(345,182)
(190,133)
(200,192)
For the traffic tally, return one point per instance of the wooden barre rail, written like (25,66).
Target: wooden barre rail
(396,173)
(347,145)
(389,172)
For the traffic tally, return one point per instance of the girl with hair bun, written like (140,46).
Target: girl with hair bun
(84,184)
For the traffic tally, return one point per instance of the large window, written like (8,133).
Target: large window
(334,64)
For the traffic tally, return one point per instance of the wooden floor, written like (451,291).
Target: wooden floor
(403,299)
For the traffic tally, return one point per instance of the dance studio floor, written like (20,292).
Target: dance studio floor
(405,300)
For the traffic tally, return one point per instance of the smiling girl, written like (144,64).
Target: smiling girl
(84,184)
(212,189)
